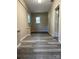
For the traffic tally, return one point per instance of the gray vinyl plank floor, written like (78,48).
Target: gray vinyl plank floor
(39,46)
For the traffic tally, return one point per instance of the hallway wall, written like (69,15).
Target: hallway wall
(43,26)
(51,17)
(23,28)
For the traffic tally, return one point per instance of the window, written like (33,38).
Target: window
(29,19)
(37,20)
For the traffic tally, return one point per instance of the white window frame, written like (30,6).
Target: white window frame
(37,20)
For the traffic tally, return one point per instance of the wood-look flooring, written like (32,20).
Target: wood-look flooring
(39,46)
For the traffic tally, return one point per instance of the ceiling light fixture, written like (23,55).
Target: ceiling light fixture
(39,1)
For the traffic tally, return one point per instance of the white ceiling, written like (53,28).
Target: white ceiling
(34,6)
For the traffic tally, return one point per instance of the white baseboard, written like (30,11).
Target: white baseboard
(19,45)
(25,37)
(22,39)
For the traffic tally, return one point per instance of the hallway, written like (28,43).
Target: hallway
(38,29)
(39,46)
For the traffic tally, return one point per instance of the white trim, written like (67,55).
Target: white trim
(19,45)
(24,37)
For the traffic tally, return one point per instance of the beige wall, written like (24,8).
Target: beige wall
(51,17)
(22,22)
(43,26)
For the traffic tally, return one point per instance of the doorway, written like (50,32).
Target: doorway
(57,22)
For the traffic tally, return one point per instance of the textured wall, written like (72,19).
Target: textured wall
(22,23)
(43,26)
